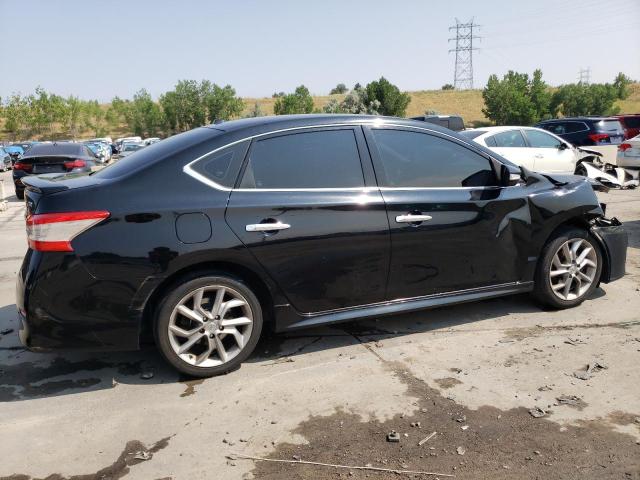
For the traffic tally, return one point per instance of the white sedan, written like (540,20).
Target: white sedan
(532,148)
(629,153)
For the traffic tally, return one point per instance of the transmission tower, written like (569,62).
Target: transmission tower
(585,75)
(463,75)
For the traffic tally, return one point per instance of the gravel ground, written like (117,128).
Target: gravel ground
(470,373)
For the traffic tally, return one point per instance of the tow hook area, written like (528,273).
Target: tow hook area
(605,222)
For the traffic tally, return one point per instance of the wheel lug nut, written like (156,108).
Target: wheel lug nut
(202,330)
(217,317)
(211,336)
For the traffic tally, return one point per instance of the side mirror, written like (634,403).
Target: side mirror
(509,177)
(563,146)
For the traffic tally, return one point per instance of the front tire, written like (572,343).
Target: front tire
(208,325)
(569,269)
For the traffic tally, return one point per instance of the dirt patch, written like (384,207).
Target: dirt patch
(447,382)
(622,418)
(134,452)
(470,444)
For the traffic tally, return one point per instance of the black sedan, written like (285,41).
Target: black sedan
(205,238)
(63,157)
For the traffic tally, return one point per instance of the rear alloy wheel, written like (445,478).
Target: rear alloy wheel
(209,325)
(569,269)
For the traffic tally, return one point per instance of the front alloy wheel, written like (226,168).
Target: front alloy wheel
(573,269)
(569,268)
(208,325)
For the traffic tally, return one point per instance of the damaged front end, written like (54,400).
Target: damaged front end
(614,240)
(604,176)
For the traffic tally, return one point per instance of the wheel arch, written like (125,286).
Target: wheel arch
(257,284)
(584,224)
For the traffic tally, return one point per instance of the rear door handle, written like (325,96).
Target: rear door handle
(267,227)
(539,155)
(412,218)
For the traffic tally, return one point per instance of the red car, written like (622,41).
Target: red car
(630,123)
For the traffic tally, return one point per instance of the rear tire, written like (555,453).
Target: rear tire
(569,269)
(20,194)
(208,325)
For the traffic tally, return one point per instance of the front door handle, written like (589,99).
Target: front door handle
(267,227)
(412,218)
(539,155)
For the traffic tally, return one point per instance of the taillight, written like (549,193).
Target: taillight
(598,137)
(53,232)
(26,167)
(70,165)
(623,147)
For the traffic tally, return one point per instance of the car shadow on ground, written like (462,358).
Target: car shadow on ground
(25,375)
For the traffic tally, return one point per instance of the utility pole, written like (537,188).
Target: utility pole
(585,75)
(463,74)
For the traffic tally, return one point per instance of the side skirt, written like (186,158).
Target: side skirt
(410,304)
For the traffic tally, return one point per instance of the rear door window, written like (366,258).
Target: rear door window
(509,139)
(308,160)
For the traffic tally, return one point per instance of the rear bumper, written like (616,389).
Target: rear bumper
(614,240)
(62,306)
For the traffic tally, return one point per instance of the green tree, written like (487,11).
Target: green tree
(72,118)
(255,111)
(447,86)
(333,106)
(222,103)
(16,115)
(621,84)
(516,99)
(577,99)
(299,101)
(357,101)
(393,102)
(339,89)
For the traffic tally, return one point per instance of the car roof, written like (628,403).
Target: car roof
(273,123)
(502,128)
(582,119)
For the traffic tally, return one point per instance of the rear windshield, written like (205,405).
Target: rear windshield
(45,149)
(608,126)
(632,122)
(471,134)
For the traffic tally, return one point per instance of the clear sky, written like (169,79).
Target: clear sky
(99,49)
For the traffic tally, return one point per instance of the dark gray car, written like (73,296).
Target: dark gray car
(57,157)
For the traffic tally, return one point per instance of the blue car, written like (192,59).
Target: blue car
(14,151)
(5,160)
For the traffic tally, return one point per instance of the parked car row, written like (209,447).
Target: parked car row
(600,148)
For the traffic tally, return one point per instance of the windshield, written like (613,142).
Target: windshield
(471,134)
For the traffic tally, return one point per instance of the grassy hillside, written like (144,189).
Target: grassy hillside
(467,103)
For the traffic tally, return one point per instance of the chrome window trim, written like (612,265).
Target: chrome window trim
(207,181)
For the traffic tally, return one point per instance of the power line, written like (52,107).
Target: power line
(585,75)
(463,73)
